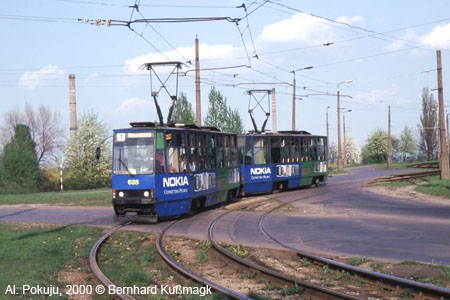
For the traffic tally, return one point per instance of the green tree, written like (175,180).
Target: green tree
(234,121)
(182,111)
(375,148)
(19,163)
(217,110)
(428,124)
(84,170)
(221,116)
(407,144)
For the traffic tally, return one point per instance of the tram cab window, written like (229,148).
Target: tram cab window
(261,151)
(241,148)
(160,154)
(275,150)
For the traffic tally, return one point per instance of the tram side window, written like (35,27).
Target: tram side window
(285,150)
(275,150)
(160,156)
(226,151)
(176,153)
(260,151)
(292,149)
(313,148)
(321,148)
(234,152)
(248,151)
(304,148)
(241,147)
(297,149)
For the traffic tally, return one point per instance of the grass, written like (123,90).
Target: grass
(70,198)
(37,255)
(130,258)
(356,261)
(431,185)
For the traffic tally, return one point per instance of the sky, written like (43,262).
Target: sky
(387,48)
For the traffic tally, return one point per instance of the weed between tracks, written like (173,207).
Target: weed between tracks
(201,259)
(130,258)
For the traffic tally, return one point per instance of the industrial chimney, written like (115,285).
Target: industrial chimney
(73,106)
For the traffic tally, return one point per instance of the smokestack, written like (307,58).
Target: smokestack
(73,106)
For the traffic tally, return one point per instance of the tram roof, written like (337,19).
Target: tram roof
(288,133)
(172,126)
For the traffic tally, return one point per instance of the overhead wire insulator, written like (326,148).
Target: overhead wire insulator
(108,22)
(98,21)
(86,20)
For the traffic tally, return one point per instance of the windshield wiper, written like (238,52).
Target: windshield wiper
(123,164)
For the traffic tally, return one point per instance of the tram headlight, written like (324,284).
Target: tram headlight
(146,194)
(114,193)
(121,194)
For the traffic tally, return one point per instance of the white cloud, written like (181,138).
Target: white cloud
(300,27)
(438,37)
(402,42)
(355,20)
(31,80)
(134,105)
(384,96)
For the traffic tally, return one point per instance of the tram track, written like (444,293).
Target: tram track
(93,254)
(311,290)
(174,265)
(421,290)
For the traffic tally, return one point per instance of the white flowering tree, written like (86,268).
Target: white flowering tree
(353,150)
(84,170)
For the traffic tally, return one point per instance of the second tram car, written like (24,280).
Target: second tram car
(163,171)
(286,159)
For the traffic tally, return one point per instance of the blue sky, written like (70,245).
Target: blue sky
(38,56)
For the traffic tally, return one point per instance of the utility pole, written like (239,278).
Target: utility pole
(389,141)
(443,159)
(345,143)
(293,105)
(73,106)
(198,107)
(328,140)
(448,137)
(340,167)
(274,112)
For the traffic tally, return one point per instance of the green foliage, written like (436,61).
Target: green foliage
(356,261)
(182,111)
(407,143)
(428,124)
(201,256)
(375,149)
(221,116)
(19,163)
(85,171)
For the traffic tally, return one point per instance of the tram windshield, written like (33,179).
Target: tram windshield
(134,153)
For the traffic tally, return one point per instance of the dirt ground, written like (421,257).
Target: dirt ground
(200,258)
(407,193)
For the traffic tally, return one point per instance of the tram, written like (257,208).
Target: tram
(171,170)
(277,161)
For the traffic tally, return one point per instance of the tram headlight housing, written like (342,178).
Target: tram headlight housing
(114,193)
(146,194)
(121,194)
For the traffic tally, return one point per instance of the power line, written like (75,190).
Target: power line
(374,33)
